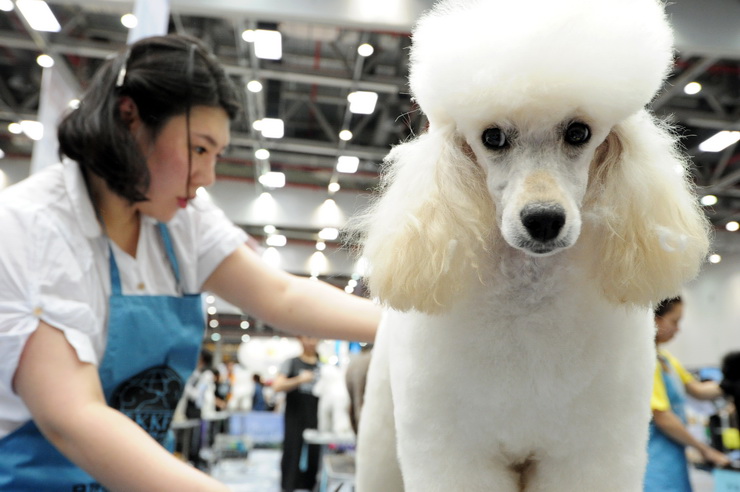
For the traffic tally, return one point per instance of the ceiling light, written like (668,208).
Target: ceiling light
(329,233)
(245,338)
(272,179)
(345,135)
(320,245)
(45,61)
(719,141)
(269,229)
(692,88)
(715,258)
(317,263)
(334,187)
(262,154)
(210,299)
(272,256)
(244,325)
(215,336)
(272,128)
(347,164)
(732,226)
(33,129)
(365,49)
(349,289)
(708,200)
(129,20)
(248,35)
(254,86)
(6,5)
(362,102)
(268,45)
(211,310)
(2,154)
(277,240)
(39,15)
(73,103)
(15,128)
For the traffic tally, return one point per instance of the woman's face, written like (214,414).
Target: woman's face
(668,323)
(167,159)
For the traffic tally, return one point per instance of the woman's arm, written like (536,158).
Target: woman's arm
(284,383)
(291,303)
(669,423)
(703,390)
(66,400)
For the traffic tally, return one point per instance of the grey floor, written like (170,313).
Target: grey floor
(260,472)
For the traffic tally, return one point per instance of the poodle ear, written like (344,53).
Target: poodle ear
(650,233)
(426,232)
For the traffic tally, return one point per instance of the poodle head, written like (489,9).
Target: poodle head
(483,58)
(538,140)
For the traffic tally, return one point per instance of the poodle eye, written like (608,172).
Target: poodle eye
(577,134)
(494,138)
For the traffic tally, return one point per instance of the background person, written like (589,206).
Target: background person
(299,464)
(667,468)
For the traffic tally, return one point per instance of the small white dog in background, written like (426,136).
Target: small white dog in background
(519,244)
(333,411)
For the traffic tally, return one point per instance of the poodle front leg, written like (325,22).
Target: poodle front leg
(377,467)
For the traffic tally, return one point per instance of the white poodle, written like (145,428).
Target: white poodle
(519,244)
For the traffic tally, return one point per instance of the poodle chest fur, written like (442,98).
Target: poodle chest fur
(506,388)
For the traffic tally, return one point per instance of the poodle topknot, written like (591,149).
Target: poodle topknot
(486,63)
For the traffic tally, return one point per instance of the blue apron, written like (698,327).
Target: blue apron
(152,348)
(667,468)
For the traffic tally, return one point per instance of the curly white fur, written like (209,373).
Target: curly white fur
(518,351)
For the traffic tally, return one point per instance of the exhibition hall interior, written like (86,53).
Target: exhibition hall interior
(324,92)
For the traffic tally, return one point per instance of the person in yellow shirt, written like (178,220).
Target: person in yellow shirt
(667,469)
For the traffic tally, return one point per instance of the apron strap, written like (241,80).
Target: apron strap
(115,275)
(167,240)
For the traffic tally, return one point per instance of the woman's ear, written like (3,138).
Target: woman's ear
(648,234)
(129,113)
(425,235)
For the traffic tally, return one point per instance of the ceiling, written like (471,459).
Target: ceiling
(308,89)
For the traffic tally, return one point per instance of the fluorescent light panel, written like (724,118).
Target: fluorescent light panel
(39,15)
(362,102)
(347,164)
(719,141)
(272,128)
(273,179)
(268,45)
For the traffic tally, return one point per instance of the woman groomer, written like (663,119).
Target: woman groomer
(102,261)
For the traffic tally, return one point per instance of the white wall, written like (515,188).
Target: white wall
(711,324)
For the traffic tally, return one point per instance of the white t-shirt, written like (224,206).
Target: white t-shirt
(54,267)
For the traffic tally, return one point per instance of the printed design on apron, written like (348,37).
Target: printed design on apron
(148,399)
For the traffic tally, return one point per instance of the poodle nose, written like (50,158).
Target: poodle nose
(543,220)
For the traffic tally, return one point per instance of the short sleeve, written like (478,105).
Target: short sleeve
(285,367)
(39,274)
(17,321)
(659,399)
(42,278)
(683,374)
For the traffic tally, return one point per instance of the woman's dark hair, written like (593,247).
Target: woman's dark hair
(666,305)
(731,375)
(165,76)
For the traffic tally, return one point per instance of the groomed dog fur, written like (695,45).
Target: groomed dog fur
(518,245)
